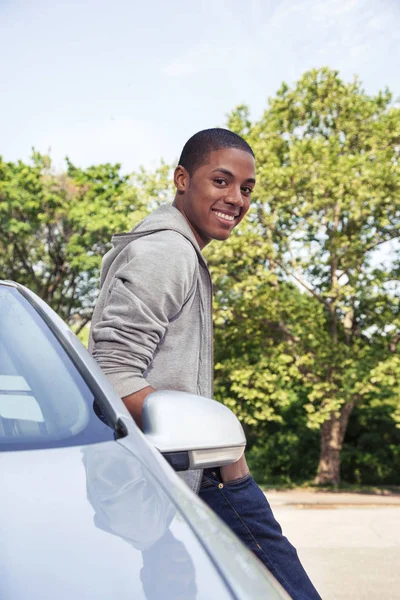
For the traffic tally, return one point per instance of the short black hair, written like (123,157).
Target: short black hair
(198,147)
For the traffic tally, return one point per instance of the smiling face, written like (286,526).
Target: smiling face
(216,197)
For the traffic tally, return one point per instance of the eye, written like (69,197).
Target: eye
(246,189)
(221,182)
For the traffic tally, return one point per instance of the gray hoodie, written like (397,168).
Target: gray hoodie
(152,324)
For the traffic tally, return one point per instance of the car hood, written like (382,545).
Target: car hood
(93,523)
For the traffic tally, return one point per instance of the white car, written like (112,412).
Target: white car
(90,509)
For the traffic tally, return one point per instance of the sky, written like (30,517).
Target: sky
(130,82)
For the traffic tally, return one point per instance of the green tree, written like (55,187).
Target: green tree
(55,228)
(259,318)
(327,208)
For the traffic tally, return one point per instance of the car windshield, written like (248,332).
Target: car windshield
(44,401)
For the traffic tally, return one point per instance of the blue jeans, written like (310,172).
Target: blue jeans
(245,509)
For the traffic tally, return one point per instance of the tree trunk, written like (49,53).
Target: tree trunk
(332,436)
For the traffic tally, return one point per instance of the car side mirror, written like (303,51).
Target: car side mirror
(192,432)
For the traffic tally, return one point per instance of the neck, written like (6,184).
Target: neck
(201,242)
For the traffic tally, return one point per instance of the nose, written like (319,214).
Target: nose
(235,197)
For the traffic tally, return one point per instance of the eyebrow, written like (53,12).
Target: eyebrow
(226,172)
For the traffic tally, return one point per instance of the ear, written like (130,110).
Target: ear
(181,179)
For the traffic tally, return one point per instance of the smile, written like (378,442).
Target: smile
(224,216)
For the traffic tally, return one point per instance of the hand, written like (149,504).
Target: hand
(234,471)
(134,403)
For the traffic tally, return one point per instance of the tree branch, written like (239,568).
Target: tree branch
(394,343)
(376,244)
(27,266)
(82,325)
(304,285)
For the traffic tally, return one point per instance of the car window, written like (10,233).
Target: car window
(44,401)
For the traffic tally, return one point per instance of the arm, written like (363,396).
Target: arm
(134,403)
(235,470)
(147,292)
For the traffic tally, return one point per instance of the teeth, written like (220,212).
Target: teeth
(224,216)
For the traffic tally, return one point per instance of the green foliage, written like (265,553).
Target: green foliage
(283,452)
(327,200)
(55,228)
(371,453)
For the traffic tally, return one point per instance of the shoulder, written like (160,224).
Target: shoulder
(165,257)
(164,245)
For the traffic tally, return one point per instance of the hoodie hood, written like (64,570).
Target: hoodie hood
(166,217)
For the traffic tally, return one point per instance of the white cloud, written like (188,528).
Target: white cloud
(235,42)
(196,59)
(340,7)
(207,57)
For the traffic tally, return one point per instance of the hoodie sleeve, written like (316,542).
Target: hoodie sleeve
(146,293)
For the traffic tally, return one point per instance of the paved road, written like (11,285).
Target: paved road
(349,544)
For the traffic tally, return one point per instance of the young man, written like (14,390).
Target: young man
(152,325)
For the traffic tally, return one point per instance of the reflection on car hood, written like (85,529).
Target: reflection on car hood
(92,523)
(246,576)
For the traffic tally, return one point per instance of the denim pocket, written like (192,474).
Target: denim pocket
(206,482)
